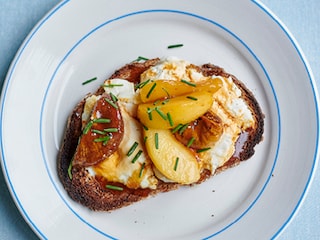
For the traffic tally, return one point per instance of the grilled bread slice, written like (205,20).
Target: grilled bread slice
(90,190)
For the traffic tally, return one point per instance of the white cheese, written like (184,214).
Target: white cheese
(124,91)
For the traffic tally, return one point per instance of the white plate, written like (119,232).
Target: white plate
(78,40)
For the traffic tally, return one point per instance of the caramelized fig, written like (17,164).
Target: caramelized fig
(203,132)
(102,134)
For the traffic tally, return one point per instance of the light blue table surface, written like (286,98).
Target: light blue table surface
(17,18)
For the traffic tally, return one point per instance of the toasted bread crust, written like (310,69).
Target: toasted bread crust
(90,191)
(252,136)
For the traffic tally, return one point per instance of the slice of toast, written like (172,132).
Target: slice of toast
(89,190)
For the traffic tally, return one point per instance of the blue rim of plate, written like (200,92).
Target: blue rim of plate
(50,14)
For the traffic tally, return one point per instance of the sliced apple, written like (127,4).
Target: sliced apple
(175,161)
(171,112)
(162,89)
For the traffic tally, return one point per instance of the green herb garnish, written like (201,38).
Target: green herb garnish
(111,103)
(151,89)
(160,113)
(156,102)
(170,119)
(101,120)
(149,111)
(112,187)
(113,97)
(145,127)
(183,128)
(166,91)
(89,80)
(156,140)
(192,98)
(142,84)
(102,139)
(188,83)
(175,45)
(109,130)
(98,131)
(112,85)
(70,170)
(141,169)
(177,128)
(136,156)
(140,58)
(165,101)
(203,149)
(190,142)
(176,164)
(133,147)
(87,127)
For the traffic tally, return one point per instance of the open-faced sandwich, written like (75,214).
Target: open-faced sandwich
(153,126)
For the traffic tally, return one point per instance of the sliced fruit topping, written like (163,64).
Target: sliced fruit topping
(162,89)
(170,157)
(202,132)
(171,112)
(102,134)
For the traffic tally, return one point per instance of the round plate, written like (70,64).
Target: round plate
(79,40)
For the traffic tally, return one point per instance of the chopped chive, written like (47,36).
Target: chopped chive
(113,97)
(114,187)
(89,80)
(110,130)
(165,101)
(98,131)
(192,98)
(87,127)
(166,92)
(149,111)
(112,85)
(177,128)
(156,140)
(142,84)
(136,156)
(111,103)
(140,58)
(161,113)
(70,170)
(156,102)
(102,139)
(101,120)
(176,164)
(133,147)
(190,142)
(145,139)
(170,119)
(141,169)
(203,149)
(183,128)
(145,127)
(188,83)
(151,89)
(175,45)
